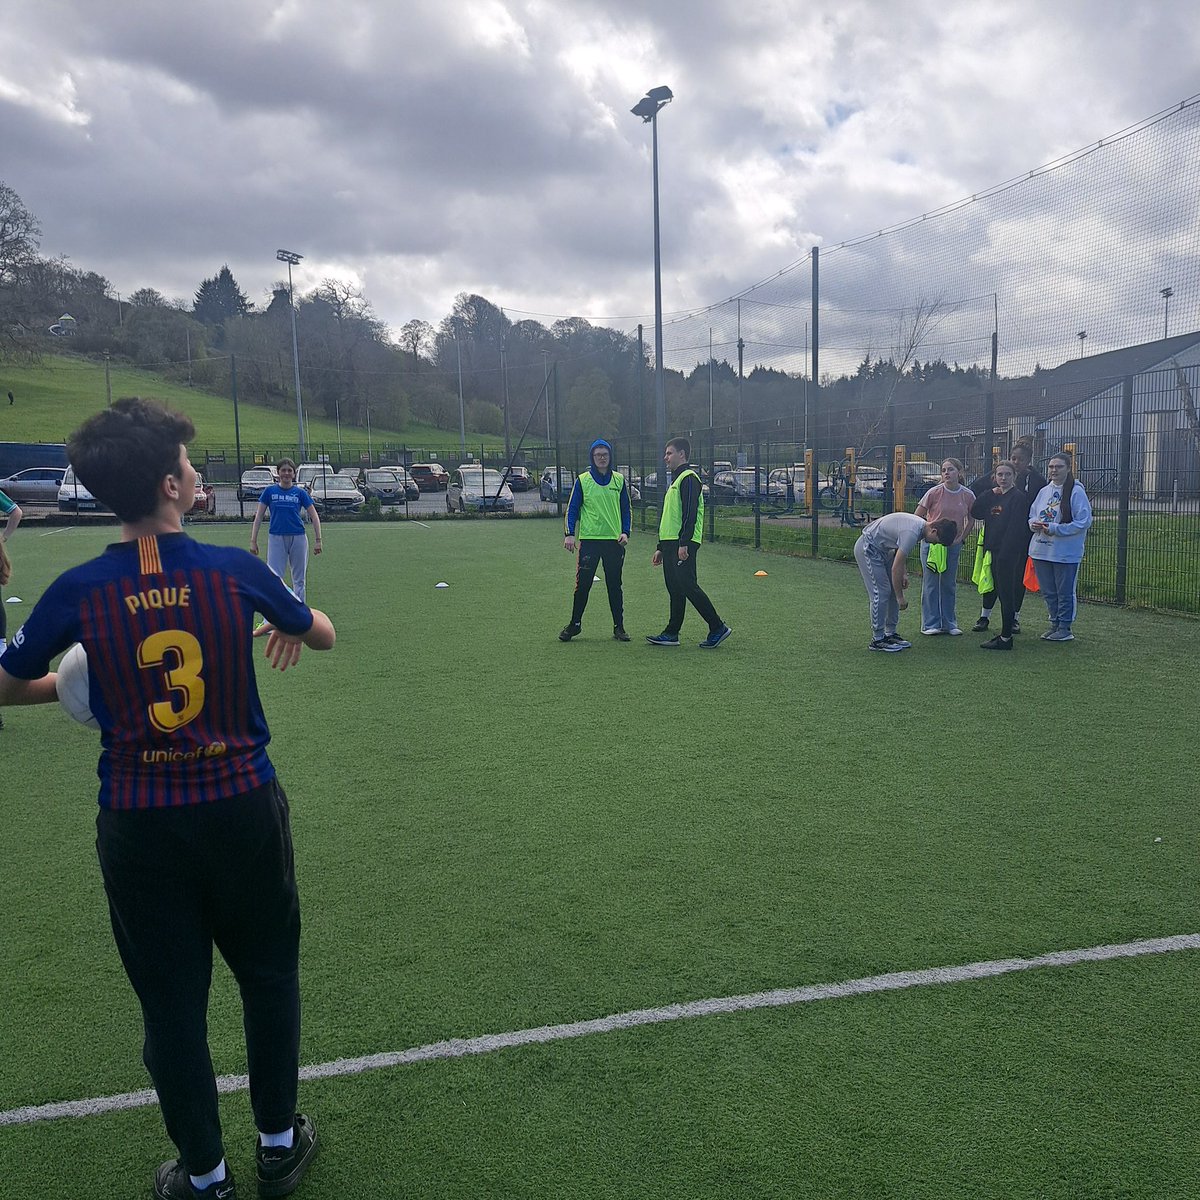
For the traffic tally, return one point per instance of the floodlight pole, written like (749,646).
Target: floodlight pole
(648,108)
(1166,294)
(462,411)
(292,258)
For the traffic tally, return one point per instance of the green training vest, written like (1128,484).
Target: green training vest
(671,522)
(600,514)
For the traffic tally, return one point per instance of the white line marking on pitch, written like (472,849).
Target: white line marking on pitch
(780,997)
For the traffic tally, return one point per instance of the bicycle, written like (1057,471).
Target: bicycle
(838,496)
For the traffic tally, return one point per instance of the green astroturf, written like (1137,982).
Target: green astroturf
(495,830)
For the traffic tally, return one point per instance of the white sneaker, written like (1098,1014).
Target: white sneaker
(954,631)
(931,632)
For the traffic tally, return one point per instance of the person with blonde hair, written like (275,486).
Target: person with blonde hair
(949,500)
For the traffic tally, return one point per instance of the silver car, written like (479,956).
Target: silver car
(34,485)
(471,487)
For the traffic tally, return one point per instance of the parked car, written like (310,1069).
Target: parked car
(566,481)
(519,479)
(74,497)
(870,482)
(255,481)
(919,477)
(388,485)
(335,493)
(472,487)
(206,497)
(34,485)
(307,472)
(430,477)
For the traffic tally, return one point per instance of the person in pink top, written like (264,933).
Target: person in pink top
(950,500)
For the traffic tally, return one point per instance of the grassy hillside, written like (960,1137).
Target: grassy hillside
(55,395)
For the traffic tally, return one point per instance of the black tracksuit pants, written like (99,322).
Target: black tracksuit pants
(179,881)
(682,586)
(593,552)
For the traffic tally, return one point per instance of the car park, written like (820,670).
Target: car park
(255,481)
(334,493)
(484,491)
(519,479)
(74,497)
(430,477)
(205,500)
(34,485)
(388,485)
(546,488)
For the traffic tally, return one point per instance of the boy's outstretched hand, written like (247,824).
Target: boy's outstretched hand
(283,649)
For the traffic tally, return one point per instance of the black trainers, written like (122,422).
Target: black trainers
(280,1170)
(569,632)
(886,646)
(171,1182)
(997,643)
(980,625)
(620,634)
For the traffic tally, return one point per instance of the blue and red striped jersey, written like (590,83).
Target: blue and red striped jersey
(167,624)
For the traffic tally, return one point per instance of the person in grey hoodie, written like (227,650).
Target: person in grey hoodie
(599,518)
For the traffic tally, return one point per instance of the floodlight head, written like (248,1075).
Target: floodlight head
(288,256)
(647,107)
(1167,293)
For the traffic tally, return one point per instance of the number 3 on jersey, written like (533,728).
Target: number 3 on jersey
(182,676)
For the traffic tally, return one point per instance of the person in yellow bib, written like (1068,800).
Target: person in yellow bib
(680,532)
(600,514)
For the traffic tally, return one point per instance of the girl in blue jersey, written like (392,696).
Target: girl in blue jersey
(287,542)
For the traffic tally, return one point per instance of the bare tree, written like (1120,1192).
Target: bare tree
(914,325)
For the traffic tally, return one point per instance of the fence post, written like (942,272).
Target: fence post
(757,497)
(1124,485)
(815,385)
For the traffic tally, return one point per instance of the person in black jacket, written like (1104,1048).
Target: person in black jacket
(1004,511)
(1029,483)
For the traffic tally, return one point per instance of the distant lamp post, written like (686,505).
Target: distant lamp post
(648,108)
(1166,294)
(1081,335)
(292,258)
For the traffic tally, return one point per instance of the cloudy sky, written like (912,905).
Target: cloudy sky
(430,147)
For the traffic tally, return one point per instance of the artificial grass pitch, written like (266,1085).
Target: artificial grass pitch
(496,830)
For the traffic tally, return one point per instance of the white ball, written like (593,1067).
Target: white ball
(72,686)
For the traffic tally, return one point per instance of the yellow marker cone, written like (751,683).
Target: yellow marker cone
(757,574)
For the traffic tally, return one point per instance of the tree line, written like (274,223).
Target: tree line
(354,368)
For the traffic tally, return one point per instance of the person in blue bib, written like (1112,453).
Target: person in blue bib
(287,541)
(599,518)
(193,831)
(680,532)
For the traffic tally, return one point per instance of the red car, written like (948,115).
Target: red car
(430,477)
(206,497)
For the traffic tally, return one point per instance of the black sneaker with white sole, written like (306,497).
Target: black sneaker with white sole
(569,632)
(280,1168)
(886,646)
(896,640)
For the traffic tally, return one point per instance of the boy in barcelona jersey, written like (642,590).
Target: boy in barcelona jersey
(193,831)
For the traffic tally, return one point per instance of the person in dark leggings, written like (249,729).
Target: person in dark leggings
(1004,514)
(1029,482)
